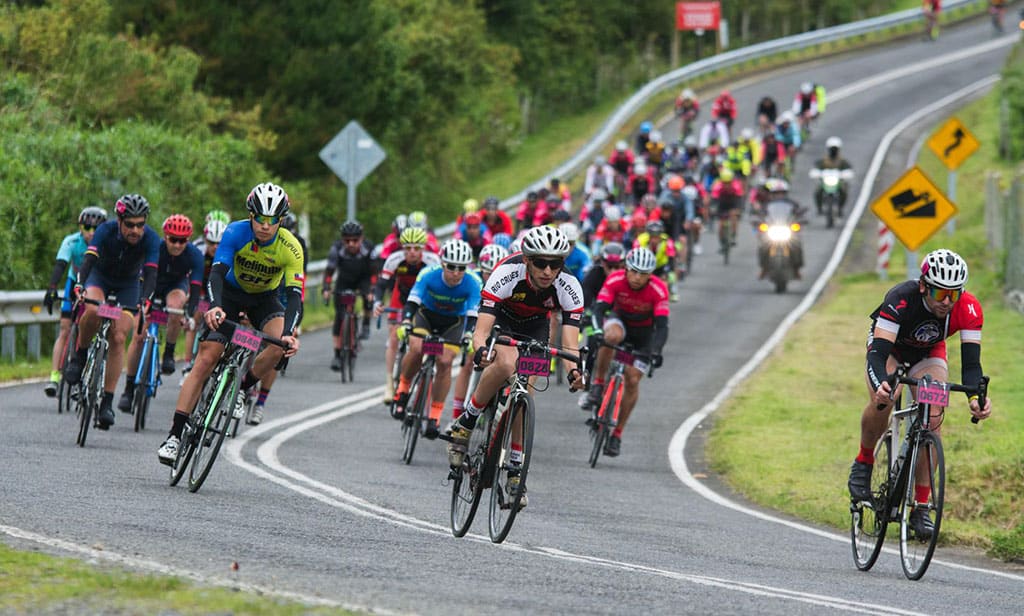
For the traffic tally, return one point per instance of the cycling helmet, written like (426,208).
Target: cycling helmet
(456,252)
(491,255)
(599,195)
(786,116)
(220,215)
(413,236)
(833,142)
(351,228)
(399,223)
(472,220)
(690,142)
(612,252)
(945,269)
(214,231)
(289,221)
(640,167)
(267,200)
(131,206)
(806,87)
(178,225)
(470,205)
(491,203)
(612,213)
(645,127)
(746,134)
(532,195)
(725,94)
(641,260)
(502,239)
(655,227)
(688,94)
(600,161)
(93,216)
(656,136)
(776,185)
(621,146)
(570,230)
(418,219)
(545,241)
(675,182)
(560,215)
(725,174)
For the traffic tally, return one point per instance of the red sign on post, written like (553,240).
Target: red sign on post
(698,15)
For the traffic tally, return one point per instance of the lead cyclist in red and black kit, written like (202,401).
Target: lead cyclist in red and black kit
(911,326)
(519,295)
(632,307)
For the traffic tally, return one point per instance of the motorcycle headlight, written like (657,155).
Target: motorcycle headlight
(779,233)
(831,180)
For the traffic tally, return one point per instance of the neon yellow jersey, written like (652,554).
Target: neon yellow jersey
(256,268)
(662,253)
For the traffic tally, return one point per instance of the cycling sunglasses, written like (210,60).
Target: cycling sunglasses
(554,264)
(266,220)
(939,294)
(88,228)
(177,240)
(451,267)
(134,225)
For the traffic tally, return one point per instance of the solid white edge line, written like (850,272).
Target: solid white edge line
(677,445)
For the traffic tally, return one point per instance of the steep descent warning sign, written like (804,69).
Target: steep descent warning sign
(953,144)
(914,208)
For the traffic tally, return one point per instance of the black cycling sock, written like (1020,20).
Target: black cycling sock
(82,354)
(337,353)
(129,384)
(169,349)
(108,398)
(249,380)
(180,419)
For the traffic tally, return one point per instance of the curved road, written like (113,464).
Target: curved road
(316,503)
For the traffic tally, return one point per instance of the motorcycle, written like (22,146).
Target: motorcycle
(779,249)
(830,183)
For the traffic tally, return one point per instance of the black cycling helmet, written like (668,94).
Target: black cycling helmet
(92,216)
(289,221)
(132,206)
(351,228)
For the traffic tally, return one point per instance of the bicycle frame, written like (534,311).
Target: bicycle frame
(421,389)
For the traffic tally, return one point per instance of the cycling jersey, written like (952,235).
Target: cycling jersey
(637,309)
(509,293)
(355,271)
(399,275)
(578,262)
(118,260)
(72,251)
(918,331)
(663,254)
(391,244)
(200,243)
(255,268)
(433,293)
(177,272)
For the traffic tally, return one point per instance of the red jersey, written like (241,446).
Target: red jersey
(635,308)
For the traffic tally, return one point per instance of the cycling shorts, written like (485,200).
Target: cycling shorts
(163,290)
(450,328)
(538,328)
(126,291)
(260,308)
(66,303)
(639,337)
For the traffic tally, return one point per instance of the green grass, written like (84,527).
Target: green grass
(32,582)
(787,438)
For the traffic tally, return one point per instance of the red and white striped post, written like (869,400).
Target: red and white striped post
(885,242)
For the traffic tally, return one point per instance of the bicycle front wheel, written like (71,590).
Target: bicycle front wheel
(140,399)
(869,519)
(599,432)
(418,391)
(346,351)
(468,481)
(916,550)
(217,422)
(506,499)
(90,390)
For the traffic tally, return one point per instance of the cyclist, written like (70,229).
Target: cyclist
(641,182)
(832,160)
(661,245)
(254,257)
(655,152)
(643,136)
(120,251)
(494,219)
(391,243)
(609,260)
(911,325)
(931,9)
(418,220)
(687,109)
(214,230)
(398,275)
(766,113)
(71,252)
(805,104)
(179,278)
(351,258)
(727,192)
(713,134)
(788,134)
(724,109)
(621,159)
(526,215)
(612,228)
(519,295)
(632,307)
(773,155)
(444,301)
(577,262)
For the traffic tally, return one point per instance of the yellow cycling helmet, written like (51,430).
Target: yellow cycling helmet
(470,205)
(412,236)
(725,174)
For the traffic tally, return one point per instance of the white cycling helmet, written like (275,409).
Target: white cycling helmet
(621,146)
(214,231)
(640,167)
(786,116)
(267,200)
(456,252)
(641,260)
(571,231)
(747,134)
(515,247)
(833,142)
(655,136)
(945,269)
(690,142)
(545,241)
(807,87)
(612,213)
(688,94)
(490,256)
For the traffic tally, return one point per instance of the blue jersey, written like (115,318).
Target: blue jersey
(118,260)
(72,250)
(578,262)
(434,294)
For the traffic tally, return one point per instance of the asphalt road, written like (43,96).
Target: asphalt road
(317,502)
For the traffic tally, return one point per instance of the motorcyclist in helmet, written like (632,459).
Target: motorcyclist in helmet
(777,197)
(833,160)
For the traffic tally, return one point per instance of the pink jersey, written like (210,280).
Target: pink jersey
(635,308)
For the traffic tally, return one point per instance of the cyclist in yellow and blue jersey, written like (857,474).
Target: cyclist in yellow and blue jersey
(444,301)
(254,258)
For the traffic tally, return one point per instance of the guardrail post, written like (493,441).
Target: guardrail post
(7,341)
(34,341)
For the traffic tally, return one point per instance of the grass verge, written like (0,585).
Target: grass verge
(787,438)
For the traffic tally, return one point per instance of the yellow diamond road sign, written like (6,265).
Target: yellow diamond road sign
(914,208)
(953,144)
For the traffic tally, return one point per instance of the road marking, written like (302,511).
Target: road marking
(677,446)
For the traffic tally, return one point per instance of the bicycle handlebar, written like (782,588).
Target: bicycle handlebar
(900,376)
(388,310)
(263,337)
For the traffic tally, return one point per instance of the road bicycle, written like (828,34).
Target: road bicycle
(487,463)
(64,398)
(908,444)
(726,236)
(606,416)
(147,377)
(349,336)
(420,391)
(212,417)
(90,389)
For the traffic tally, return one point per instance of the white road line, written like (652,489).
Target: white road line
(677,446)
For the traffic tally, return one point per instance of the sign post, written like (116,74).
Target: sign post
(953,144)
(698,17)
(352,154)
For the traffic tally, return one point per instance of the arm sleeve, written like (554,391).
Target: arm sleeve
(970,363)
(215,285)
(59,267)
(148,281)
(292,311)
(87,262)
(878,355)
(600,310)
(660,334)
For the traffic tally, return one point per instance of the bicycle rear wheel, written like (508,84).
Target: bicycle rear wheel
(469,480)
(346,352)
(868,520)
(63,388)
(217,423)
(90,390)
(140,399)
(505,504)
(915,551)
(413,421)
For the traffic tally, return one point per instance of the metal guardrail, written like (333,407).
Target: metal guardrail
(23,307)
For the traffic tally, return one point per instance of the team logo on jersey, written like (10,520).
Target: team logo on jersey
(518,297)
(549,303)
(927,333)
